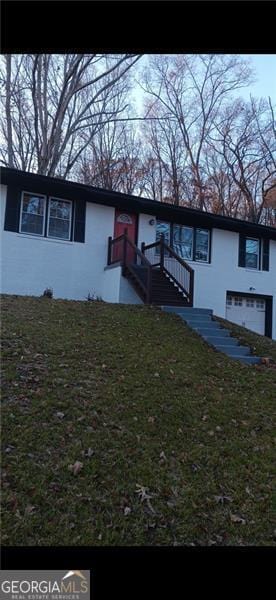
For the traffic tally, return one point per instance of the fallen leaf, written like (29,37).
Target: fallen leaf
(29,509)
(60,415)
(76,467)
(223,499)
(237,519)
(127,511)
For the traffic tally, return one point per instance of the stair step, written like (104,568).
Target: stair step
(198,324)
(219,340)
(188,310)
(200,320)
(248,360)
(233,350)
(212,331)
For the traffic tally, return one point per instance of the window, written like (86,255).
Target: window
(189,243)
(260,304)
(252,253)
(250,303)
(32,214)
(59,218)
(163,228)
(124,219)
(202,245)
(238,301)
(183,241)
(229,301)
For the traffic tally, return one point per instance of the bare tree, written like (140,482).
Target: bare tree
(245,139)
(165,153)
(54,105)
(191,90)
(112,159)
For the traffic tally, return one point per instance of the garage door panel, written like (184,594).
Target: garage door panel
(247,312)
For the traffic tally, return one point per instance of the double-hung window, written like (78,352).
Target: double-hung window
(183,241)
(35,207)
(202,245)
(59,219)
(32,215)
(252,253)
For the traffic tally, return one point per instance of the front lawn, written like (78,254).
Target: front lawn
(120,426)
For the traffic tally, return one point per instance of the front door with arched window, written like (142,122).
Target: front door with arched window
(126,221)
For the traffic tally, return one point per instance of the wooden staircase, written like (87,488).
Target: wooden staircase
(157,273)
(163,290)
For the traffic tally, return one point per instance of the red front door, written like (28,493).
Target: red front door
(126,221)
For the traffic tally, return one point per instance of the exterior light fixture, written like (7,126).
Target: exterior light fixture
(151,221)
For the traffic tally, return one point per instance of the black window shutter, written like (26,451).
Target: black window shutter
(79,229)
(12,209)
(265,265)
(242,244)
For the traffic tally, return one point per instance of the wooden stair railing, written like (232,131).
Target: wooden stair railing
(122,250)
(159,254)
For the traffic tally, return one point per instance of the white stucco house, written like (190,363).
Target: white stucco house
(80,240)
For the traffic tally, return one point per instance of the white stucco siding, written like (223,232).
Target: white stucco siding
(110,291)
(73,269)
(127,293)
(117,288)
(146,232)
(223,273)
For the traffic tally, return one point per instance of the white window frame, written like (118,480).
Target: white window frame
(208,251)
(53,237)
(238,301)
(21,211)
(229,300)
(257,268)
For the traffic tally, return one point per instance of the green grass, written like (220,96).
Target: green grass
(156,407)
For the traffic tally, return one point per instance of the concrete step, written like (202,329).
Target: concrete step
(198,319)
(233,350)
(206,324)
(188,310)
(220,340)
(247,360)
(212,331)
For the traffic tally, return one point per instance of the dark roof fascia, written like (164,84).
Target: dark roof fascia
(162,210)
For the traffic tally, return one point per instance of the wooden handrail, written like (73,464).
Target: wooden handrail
(183,281)
(168,252)
(147,289)
(178,258)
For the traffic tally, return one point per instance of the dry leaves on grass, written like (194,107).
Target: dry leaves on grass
(223,499)
(237,519)
(142,492)
(76,467)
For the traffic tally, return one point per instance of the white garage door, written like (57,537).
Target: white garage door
(248,312)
